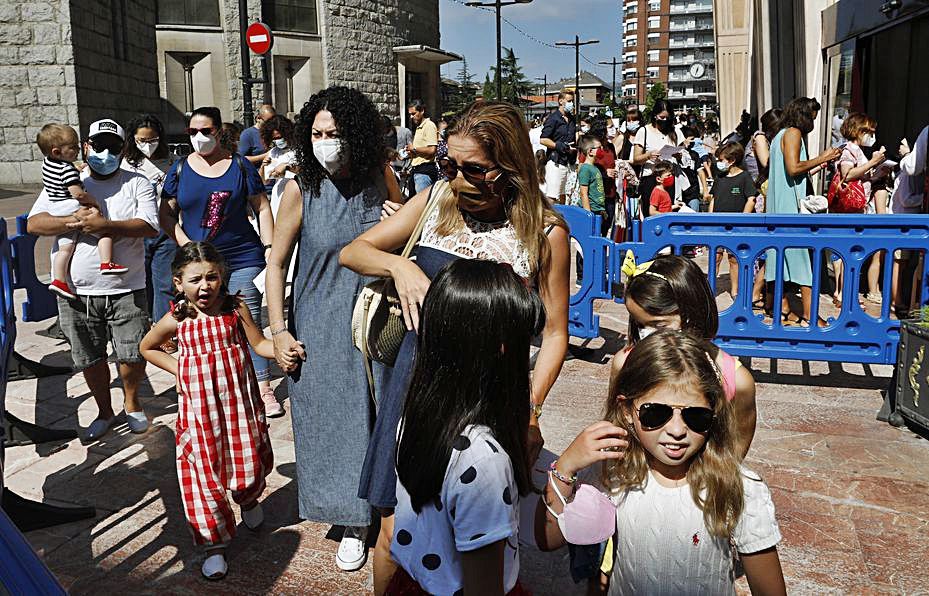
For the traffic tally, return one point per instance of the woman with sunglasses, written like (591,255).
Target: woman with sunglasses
(491,209)
(682,504)
(206,198)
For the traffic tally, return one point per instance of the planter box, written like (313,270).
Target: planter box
(913,374)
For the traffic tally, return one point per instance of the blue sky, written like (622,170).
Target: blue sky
(470,32)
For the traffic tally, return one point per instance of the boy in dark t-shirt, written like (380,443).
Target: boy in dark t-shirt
(733,192)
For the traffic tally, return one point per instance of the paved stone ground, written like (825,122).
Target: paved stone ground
(852,494)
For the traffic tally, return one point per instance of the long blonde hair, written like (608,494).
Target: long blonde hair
(678,360)
(500,130)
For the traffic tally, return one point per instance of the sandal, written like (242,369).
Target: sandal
(758,306)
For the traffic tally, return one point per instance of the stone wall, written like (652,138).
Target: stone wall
(115,66)
(360,35)
(36,82)
(230,23)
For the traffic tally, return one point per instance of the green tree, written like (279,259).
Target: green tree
(490,90)
(513,82)
(466,86)
(658,91)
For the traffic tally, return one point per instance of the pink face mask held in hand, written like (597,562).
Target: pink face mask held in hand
(589,519)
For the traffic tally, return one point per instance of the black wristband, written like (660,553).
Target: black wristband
(267,246)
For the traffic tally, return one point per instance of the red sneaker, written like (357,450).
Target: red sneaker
(112,268)
(62,289)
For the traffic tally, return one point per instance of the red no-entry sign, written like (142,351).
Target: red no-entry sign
(258,37)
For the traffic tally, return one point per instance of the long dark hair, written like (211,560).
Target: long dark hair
(281,124)
(198,252)
(472,367)
(769,122)
(131,153)
(360,128)
(675,285)
(799,113)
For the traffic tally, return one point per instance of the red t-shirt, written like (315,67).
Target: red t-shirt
(660,200)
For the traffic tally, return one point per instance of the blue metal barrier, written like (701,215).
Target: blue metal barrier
(854,336)
(585,228)
(21,570)
(40,303)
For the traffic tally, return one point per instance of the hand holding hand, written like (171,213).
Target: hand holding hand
(535,442)
(288,352)
(599,441)
(89,221)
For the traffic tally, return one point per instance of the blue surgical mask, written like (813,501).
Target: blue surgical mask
(280,143)
(103,163)
(722,166)
(569,106)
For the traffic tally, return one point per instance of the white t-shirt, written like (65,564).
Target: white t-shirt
(124,196)
(908,193)
(154,171)
(535,137)
(663,546)
(651,139)
(477,507)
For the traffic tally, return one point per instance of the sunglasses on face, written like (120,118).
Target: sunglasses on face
(473,173)
(114,144)
(653,416)
(193,131)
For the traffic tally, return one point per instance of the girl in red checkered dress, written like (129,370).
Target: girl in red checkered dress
(222,436)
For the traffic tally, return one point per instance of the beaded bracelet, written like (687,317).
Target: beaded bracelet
(278,332)
(554,471)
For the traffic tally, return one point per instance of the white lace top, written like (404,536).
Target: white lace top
(479,240)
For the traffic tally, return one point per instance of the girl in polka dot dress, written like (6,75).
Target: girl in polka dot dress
(677,501)
(222,438)
(461,456)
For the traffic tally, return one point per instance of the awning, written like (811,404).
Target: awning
(429,54)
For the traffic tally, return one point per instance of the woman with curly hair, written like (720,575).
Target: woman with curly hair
(338,194)
(281,163)
(492,209)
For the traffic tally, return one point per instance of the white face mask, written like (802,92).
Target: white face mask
(280,143)
(646,331)
(867,140)
(203,144)
(147,148)
(585,129)
(329,154)
(722,166)
(569,106)
(632,126)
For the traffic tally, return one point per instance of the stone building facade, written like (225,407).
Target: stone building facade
(74,61)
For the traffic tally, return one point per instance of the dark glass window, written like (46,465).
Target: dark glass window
(290,15)
(188,12)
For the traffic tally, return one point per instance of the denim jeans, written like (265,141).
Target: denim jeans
(242,281)
(159,253)
(421,181)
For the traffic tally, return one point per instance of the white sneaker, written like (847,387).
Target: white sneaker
(138,422)
(352,553)
(253,517)
(214,567)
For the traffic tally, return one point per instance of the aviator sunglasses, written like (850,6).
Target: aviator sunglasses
(653,416)
(474,173)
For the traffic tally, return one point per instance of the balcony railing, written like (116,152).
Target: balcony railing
(690,8)
(690,26)
(691,43)
(685,77)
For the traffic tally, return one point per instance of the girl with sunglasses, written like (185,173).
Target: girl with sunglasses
(678,503)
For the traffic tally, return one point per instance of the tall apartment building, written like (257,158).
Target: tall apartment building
(670,41)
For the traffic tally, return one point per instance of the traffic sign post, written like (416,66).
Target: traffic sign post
(259,39)
(256,37)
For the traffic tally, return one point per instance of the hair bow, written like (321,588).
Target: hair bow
(631,269)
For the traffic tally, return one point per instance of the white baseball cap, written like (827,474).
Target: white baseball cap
(106,126)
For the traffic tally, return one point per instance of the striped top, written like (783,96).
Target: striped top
(57,176)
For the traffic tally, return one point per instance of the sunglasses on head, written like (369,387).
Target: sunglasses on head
(193,131)
(103,143)
(472,172)
(653,416)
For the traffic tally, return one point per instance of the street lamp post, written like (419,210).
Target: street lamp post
(497,4)
(577,43)
(614,62)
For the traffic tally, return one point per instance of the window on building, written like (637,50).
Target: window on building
(631,26)
(629,42)
(653,37)
(290,15)
(653,55)
(188,12)
(628,57)
(654,5)
(654,22)
(652,72)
